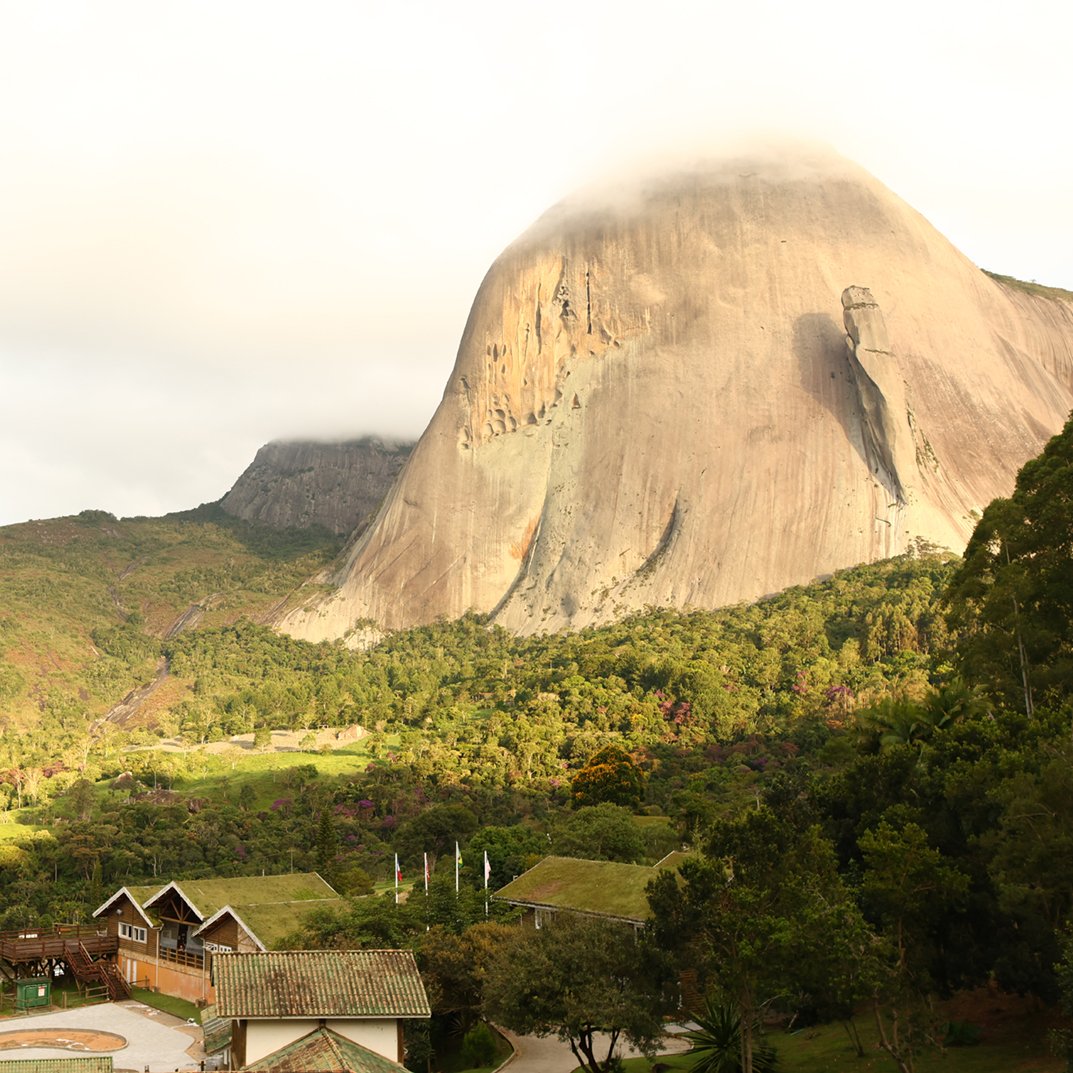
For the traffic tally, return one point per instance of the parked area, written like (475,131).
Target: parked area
(150,1040)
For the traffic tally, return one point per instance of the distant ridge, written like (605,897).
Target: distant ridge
(702,389)
(300,484)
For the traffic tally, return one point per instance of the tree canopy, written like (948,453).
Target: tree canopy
(1011,600)
(579,978)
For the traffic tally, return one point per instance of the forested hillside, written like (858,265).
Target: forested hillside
(874,771)
(87,602)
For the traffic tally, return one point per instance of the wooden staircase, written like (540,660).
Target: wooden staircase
(100,973)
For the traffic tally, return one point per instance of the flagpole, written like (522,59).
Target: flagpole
(487,869)
(458,862)
(396,879)
(428,927)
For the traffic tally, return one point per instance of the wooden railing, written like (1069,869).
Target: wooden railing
(87,950)
(29,944)
(181,957)
(104,972)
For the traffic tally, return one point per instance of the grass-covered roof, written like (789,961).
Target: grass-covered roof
(599,888)
(208,896)
(271,922)
(270,906)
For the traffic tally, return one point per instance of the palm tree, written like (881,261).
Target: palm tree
(717,1042)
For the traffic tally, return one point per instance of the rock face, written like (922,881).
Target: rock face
(885,430)
(336,485)
(654,403)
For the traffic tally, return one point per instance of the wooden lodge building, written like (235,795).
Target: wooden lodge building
(166,935)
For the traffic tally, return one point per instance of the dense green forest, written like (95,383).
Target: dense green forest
(875,771)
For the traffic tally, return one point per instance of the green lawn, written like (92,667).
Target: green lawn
(177,1007)
(11,830)
(828,1050)
(1014,1045)
(266,773)
(219,777)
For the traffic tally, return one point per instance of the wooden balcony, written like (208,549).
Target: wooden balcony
(37,944)
(181,957)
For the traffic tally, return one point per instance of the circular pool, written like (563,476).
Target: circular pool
(90,1040)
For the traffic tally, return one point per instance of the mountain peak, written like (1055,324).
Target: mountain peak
(661,397)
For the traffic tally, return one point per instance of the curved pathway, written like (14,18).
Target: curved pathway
(547,1054)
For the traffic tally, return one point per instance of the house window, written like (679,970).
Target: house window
(137,935)
(218,948)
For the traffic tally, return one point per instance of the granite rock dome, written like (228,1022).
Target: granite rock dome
(703,389)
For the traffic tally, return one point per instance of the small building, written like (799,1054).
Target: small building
(168,934)
(275,999)
(607,889)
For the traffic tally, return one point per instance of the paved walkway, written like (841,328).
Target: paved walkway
(546,1054)
(155,1041)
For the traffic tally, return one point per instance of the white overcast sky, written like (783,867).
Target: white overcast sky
(223,223)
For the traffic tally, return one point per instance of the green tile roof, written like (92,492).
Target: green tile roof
(325,1051)
(215,1031)
(600,888)
(319,983)
(57,1065)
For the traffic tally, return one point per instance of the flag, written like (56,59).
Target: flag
(426,873)
(487,869)
(458,864)
(398,871)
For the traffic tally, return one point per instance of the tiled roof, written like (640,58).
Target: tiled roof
(600,888)
(319,983)
(57,1065)
(324,1051)
(215,1031)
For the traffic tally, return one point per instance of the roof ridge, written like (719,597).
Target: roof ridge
(291,901)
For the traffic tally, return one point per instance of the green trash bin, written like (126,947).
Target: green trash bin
(34,991)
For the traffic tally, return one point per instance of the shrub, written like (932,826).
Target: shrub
(478,1046)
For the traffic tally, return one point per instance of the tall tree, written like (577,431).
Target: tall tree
(908,891)
(577,978)
(611,776)
(764,915)
(1012,597)
(599,833)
